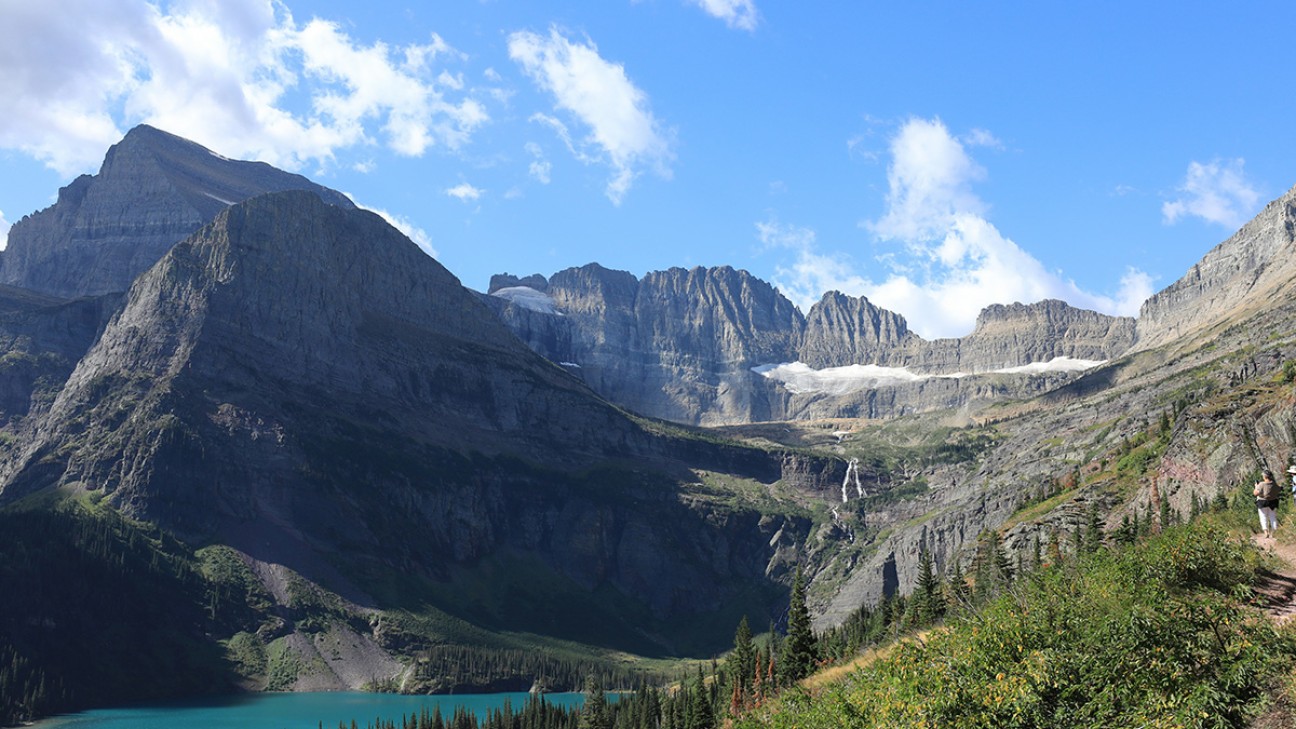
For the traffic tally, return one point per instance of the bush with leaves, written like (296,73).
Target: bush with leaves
(1156,635)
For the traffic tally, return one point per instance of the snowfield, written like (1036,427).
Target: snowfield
(800,379)
(528,298)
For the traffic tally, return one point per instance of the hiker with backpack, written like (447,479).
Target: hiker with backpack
(1266,493)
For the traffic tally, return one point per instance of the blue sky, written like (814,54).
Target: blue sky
(936,157)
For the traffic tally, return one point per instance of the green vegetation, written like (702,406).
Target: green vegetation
(98,610)
(1157,634)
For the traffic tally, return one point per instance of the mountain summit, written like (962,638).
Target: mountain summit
(152,190)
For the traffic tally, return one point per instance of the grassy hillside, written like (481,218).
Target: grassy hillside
(1162,633)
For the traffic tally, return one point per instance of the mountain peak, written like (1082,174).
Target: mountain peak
(1241,276)
(153,189)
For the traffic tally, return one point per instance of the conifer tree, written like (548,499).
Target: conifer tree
(595,715)
(800,651)
(993,568)
(957,594)
(742,659)
(1094,530)
(700,715)
(927,604)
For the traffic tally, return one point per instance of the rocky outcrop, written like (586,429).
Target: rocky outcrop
(679,345)
(41,339)
(843,330)
(1008,336)
(153,189)
(1244,275)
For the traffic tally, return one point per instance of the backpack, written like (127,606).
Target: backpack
(1269,490)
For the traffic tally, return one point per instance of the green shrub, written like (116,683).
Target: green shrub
(1149,636)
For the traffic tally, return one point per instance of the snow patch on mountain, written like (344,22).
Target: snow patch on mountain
(529,298)
(1057,364)
(799,378)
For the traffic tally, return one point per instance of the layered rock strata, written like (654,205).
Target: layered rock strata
(152,190)
(681,344)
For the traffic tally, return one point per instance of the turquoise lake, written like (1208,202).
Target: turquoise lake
(289,711)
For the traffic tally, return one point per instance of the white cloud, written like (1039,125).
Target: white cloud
(4,231)
(930,180)
(225,75)
(735,13)
(813,273)
(981,138)
(622,130)
(540,168)
(953,261)
(1218,192)
(411,231)
(464,192)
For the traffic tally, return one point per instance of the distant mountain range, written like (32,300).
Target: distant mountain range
(247,361)
(698,346)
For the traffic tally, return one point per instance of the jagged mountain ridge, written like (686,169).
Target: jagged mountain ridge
(681,344)
(208,405)
(152,190)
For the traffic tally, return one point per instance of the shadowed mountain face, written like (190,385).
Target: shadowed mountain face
(153,190)
(301,382)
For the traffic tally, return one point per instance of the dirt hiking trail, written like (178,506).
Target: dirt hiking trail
(1277,589)
(1277,595)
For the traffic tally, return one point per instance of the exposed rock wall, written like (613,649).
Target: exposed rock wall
(681,344)
(153,189)
(843,330)
(1244,274)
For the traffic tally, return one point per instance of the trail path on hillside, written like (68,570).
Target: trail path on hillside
(1277,590)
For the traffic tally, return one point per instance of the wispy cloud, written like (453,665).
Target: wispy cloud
(952,262)
(1217,192)
(4,231)
(411,231)
(222,76)
(599,95)
(813,272)
(540,168)
(739,14)
(465,192)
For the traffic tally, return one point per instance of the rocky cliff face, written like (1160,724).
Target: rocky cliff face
(844,330)
(153,189)
(1015,335)
(1241,276)
(42,339)
(681,345)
